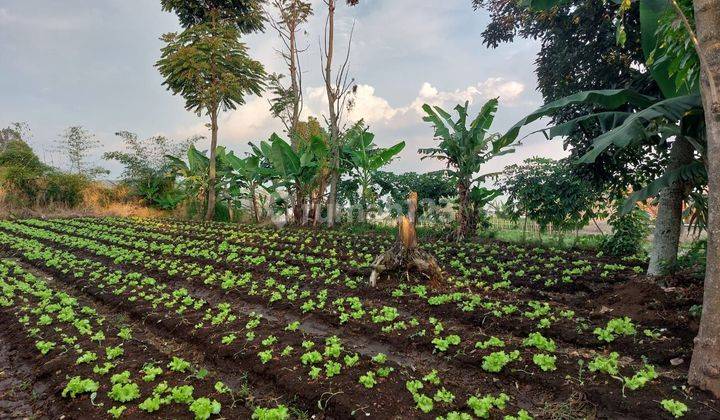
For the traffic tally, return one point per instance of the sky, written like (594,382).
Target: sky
(91,63)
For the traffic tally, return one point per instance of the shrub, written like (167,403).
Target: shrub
(629,233)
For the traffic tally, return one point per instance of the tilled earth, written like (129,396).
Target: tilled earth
(285,322)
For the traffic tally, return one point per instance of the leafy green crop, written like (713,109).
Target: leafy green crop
(545,361)
(495,362)
(278,413)
(78,385)
(676,408)
(124,392)
(482,406)
(203,408)
(607,365)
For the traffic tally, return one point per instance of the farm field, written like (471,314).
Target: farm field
(133,318)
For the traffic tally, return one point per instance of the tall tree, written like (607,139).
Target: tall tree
(336,89)
(246,15)
(705,364)
(288,101)
(548,192)
(210,68)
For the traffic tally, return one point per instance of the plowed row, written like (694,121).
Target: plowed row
(172,319)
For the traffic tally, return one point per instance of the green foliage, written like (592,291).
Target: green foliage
(298,170)
(278,413)
(124,392)
(203,408)
(75,143)
(676,408)
(365,158)
(78,385)
(482,406)
(641,378)
(246,15)
(550,193)
(693,260)
(615,327)
(465,150)
(545,361)
(178,364)
(209,67)
(147,170)
(629,233)
(607,365)
(495,362)
(116,411)
(538,341)
(431,187)
(27,182)
(368,380)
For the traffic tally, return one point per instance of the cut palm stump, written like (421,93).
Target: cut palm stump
(405,254)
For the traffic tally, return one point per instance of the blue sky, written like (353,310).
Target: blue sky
(90,63)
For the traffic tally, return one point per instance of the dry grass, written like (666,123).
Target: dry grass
(98,200)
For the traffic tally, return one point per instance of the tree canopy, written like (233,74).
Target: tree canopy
(246,15)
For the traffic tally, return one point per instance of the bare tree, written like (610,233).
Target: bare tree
(75,143)
(288,101)
(336,88)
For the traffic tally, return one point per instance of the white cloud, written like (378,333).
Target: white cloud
(375,109)
(250,122)
(371,107)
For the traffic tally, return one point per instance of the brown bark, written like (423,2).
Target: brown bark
(705,364)
(465,216)
(405,254)
(298,206)
(668,223)
(253,195)
(210,211)
(332,96)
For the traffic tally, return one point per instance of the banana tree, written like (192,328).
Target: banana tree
(365,159)
(629,119)
(465,150)
(299,170)
(193,174)
(194,177)
(248,177)
(699,20)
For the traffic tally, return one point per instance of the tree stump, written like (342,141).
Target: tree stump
(405,254)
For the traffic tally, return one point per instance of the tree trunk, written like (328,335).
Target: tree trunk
(210,211)
(332,96)
(705,364)
(298,206)
(306,211)
(332,198)
(668,223)
(253,197)
(405,252)
(362,212)
(318,202)
(464,214)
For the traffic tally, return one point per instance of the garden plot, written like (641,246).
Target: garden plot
(516,332)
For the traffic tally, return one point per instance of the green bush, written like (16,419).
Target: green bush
(64,188)
(629,233)
(27,182)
